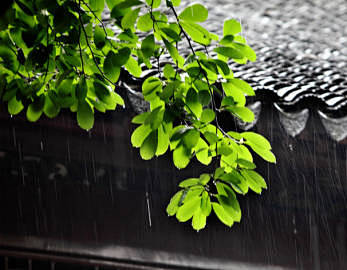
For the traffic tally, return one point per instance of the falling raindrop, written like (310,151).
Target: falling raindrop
(148,210)
(41,145)
(11,116)
(14,137)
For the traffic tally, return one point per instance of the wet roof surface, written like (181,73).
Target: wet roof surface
(301,49)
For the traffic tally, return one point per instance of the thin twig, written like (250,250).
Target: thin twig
(90,48)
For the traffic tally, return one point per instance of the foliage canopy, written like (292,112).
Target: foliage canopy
(58,54)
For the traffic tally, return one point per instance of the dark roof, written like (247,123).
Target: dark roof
(301,51)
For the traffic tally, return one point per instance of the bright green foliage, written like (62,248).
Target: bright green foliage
(57,55)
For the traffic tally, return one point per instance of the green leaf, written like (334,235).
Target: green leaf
(239,85)
(97,6)
(133,67)
(174,53)
(226,40)
(243,113)
(172,207)
(187,210)
(149,146)
(169,90)
(245,163)
(181,157)
(256,139)
(169,71)
(255,181)
(105,94)
(196,32)
(129,3)
(153,3)
(111,67)
(194,13)
(218,173)
(99,37)
(205,204)
(35,109)
(50,108)
(155,118)
(238,183)
(145,23)
(229,52)
(189,182)
(85,115)
(15,106)
(141,118)
(235,135)
(223,66)
(264,153)
(228,200)
(229,161)
(207,116)
(222,214)
(256,177)
(245,50)
(112,3)
(122,57)
(231,27)
(148,45)
(211,137)
(129,19)
(192,101)
(238,97)
(176,3)
(202,154)
(139,135)
(163,141)
(204,97)
(190,138)
(81,89)
(224,149)
(150,87)
(204,178)
(192,193)
(170,33)
(244,153)
(199,220)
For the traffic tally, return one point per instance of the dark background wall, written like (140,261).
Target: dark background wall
(89,193)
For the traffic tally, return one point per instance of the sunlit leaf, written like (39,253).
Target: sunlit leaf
(133,67)
(149,146)
(181,157)
(194,13)
(15,106)
(111,67)
(129,19)
(35,109)
(85,115)
(222,214)
(140,134)
(153,3)
(147,46)
(172,207)
(231,27)
(199,220)
(243,113)
(190,138)
(188,209)
(189,182)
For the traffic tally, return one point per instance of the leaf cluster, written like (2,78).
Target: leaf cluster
(58,54)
